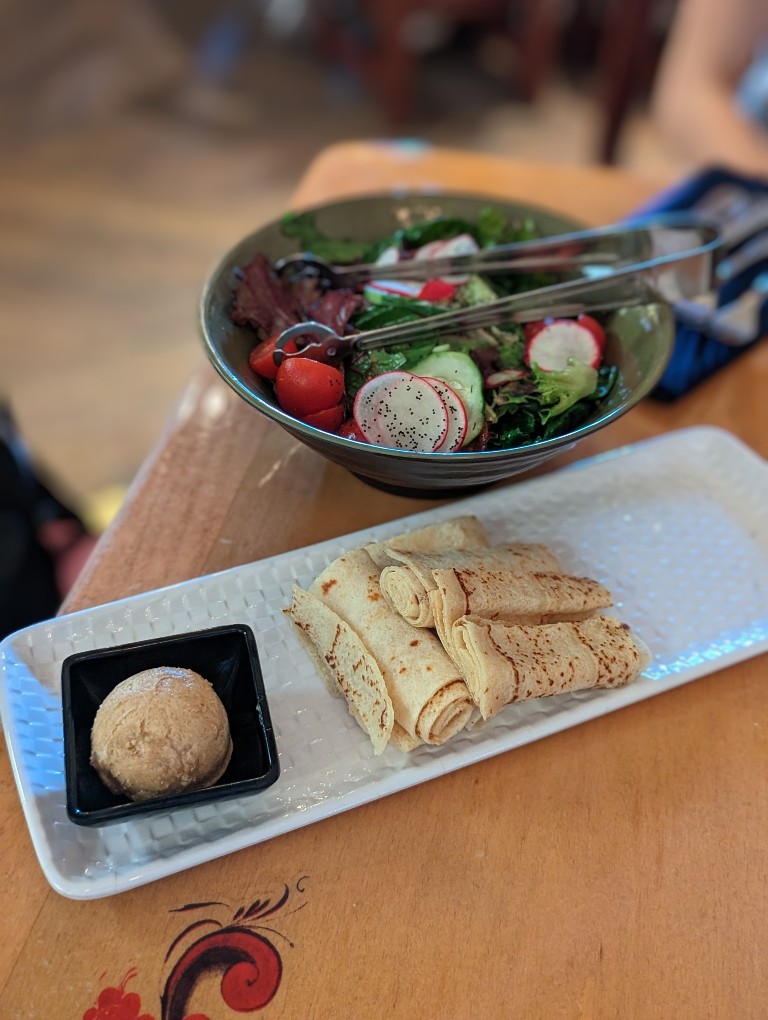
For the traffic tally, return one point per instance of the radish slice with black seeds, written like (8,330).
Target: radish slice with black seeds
(457,416)
(401,410)
(559,340)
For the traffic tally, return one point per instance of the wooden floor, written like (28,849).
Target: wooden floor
(92,366)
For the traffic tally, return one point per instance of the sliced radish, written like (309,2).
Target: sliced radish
(530,329)
(462,244)
(457,415)
(378,289)
(389,256)
(504,375)
(430,250)
(561,339)
(594,328)
(464,377)
(401,410)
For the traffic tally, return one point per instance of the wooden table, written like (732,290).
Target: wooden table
(617,869)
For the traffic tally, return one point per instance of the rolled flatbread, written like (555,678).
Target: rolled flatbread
(408,580)
(403,741)
(429,696)
(534,598)
(464,532)
(345,664)
(504,663)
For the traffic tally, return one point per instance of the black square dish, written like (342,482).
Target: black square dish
(225,656)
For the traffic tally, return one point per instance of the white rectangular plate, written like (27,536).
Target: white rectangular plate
(675,527)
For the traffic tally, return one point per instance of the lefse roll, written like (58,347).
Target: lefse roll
(429,696)
(434,630)
(504,663)
(408,581)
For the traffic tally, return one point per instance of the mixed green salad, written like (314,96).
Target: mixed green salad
(492,388)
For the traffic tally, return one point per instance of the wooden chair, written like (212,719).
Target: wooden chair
(379,53)
(626,51)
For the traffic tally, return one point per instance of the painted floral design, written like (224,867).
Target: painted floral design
(240,948)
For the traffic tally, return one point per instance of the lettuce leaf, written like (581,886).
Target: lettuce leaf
(560,390)
(476,291)
(547,404)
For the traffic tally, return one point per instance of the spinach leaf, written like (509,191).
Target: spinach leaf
(302,227)
(521,425)
(367,364)
(571,418)
(492,224)
(439,229)
(493,227)
(390,311)
(607,377)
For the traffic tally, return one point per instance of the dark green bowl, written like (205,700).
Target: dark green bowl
(640,343)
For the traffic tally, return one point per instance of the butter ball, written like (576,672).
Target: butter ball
(160,732)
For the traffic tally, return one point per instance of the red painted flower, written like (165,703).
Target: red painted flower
(117,1004)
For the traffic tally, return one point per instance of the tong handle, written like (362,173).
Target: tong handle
(558,254)
(638,284)
(616,246)
(681,267)
(561,300)
(565,299)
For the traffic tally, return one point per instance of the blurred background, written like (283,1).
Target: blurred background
(122,120)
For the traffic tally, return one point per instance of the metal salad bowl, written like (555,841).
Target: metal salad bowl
(639,342)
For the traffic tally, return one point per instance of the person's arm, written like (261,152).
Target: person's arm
(710,46)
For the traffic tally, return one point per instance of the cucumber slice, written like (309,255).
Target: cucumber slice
(462,375)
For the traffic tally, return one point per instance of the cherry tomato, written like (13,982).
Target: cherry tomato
(304,387)
(594,328)
(329,420)
(261,360)
(350,431)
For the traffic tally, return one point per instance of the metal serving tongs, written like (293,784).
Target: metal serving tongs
(663,258)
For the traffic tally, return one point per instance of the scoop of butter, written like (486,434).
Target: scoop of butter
(160,732)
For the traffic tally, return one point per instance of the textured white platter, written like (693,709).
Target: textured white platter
(675,527)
